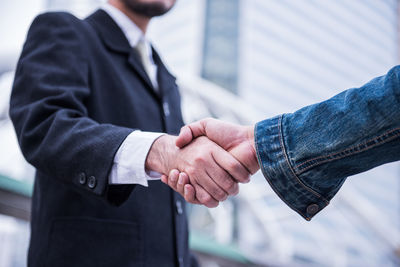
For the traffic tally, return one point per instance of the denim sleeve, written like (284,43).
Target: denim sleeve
(307,155)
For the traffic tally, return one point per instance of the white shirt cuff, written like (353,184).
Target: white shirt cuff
(130,159)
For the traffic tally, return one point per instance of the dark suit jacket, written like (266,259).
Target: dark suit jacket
(79,90)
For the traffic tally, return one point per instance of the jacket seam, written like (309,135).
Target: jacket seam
(347,151)
(280,134)
(272,185)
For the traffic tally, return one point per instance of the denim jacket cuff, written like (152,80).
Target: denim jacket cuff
(275,166)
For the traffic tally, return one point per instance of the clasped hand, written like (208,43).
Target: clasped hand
(207,160)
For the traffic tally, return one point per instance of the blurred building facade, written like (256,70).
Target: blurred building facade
(281,55)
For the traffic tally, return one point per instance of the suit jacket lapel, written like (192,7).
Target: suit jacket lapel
(166,81)
(115,40)
(135,62)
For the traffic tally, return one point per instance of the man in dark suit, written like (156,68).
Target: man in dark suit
(89,103)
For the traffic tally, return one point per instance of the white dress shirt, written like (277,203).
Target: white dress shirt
(129,161)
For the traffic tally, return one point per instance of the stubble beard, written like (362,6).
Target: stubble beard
(148,10)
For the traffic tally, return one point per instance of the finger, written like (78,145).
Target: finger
(223,179)
(184,138)
(204,197)
(164,179)
(207,183)
(173,179)
(182,180)
(186,189)
(190,194)
(231,165)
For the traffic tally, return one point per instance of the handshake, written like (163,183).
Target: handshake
(206,161)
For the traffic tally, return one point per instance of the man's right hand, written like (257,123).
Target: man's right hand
(213,172)
(236,139)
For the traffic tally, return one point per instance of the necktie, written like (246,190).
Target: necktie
(142,49)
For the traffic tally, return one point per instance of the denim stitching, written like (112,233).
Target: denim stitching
(272,185)
(256,142)
(290,167)
(347,151)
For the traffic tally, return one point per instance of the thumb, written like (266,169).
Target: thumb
(184,138)
(191,131)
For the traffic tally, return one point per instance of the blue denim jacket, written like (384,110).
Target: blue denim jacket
(307,155)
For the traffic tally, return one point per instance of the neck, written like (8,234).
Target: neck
(141,21)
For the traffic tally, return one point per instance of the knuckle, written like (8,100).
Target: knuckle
(211,203)
(199,160)
(214,204)
(242,177)
(225,197)
(233,190)
(206,119)
(219,194)
(206,199)
(200,196)
(232,165)
(208,204)
(236,167)
(190,171)
(174,172)
(229,184)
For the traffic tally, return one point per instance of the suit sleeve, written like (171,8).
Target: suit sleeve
(48,110)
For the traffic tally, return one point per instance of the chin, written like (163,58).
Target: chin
(149,8)
(166,3)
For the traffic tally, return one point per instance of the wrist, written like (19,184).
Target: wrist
(161,154)
(250,136)
(251,140)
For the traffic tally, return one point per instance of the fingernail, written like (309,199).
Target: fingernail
(180,180)
(173,178)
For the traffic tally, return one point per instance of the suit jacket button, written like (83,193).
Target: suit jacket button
(92,182)
(179,208)
(82,178)
(312,209)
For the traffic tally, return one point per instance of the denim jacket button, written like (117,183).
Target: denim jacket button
(312,209)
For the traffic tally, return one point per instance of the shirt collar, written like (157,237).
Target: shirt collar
(128,27)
